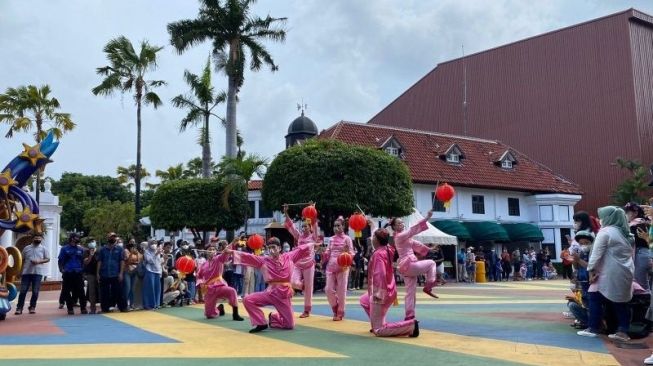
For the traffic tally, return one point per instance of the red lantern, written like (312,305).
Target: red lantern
(345,259)
(309,213)
(357,222)
(445,193)
(185,264)
(255,242)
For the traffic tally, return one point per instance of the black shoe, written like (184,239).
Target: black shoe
(84,311)
(18,312)
(416,330)
(258,328)
(32,311)
(221,310)
(235,315)
(60,306)
(71,312)
(270,318)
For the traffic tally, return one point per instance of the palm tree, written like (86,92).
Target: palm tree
(232,30)
(126,73)
(243,169)
(172,173)
(200,105)
(127,176)
(194,168)
(30,107)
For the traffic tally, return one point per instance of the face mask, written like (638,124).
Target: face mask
(120,245)
(91,245)
(576,226)
(184,247)
(112,241)
(37,242)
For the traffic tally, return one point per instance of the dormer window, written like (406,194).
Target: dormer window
(453,158)
(453,155)
(392,151)
(393,147)
(507,160)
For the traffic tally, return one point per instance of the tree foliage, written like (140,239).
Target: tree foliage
(110,216)
(633,188)
(199,204)
(79,193)
(338,177)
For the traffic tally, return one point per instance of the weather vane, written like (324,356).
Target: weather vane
(302,107)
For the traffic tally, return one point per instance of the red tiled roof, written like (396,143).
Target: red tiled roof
(422,152)
(254,185)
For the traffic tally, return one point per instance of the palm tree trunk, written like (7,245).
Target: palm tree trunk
(37,194)
(231,117)
(206,149)
(137,176)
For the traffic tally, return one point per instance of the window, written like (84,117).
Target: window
(546,213)
(563,213)
(507,164)
(263,213)
(478,205)
(453,158)
(513,206)
(392,151)
(252,209)
(438,206)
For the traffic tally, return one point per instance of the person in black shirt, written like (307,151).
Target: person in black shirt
(90,274)
(436,255)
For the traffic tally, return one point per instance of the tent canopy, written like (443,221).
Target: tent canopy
(453,227)
(486,231)
(523,232)
(432,234)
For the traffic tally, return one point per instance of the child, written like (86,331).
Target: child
(550,272)
(523,270)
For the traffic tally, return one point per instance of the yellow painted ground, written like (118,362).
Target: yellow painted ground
(197,340)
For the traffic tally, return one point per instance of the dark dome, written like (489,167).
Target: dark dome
(302,124)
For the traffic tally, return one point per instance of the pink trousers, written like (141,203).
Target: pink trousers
(214,294)
(377,312)
(336,291)
(302,279)
(415,269)
(282,319)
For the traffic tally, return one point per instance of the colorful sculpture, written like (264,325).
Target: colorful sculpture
(19,212)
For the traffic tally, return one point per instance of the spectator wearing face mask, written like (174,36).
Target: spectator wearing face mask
(35,256)
(189,278)
(71,258)
(111,267)
(90,273)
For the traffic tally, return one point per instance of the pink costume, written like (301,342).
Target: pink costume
(337,277)
(209,277)
(409,267)
(277,275)
(383,292)
(305,267)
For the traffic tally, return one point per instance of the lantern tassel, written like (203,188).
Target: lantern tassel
(447,204)
(358,234)
(396,302)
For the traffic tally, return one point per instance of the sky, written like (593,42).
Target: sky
(346,59)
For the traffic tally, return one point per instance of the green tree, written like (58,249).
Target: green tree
(127,175)
(199,205)
(338,177)
(126,73)
(172,173)
(79,193)
(30,107)
(200,104)
(233,31)
(110,216)
(242,169)
(633,188)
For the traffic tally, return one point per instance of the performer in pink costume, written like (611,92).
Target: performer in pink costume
(336,276)
(382,290)
(209,279)
(277,270)
(409,267)
(304,272)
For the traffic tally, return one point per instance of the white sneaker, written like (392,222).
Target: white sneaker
(587,333)
(567,315)
(649,360)
(619,337)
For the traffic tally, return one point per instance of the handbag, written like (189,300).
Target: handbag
(140,269)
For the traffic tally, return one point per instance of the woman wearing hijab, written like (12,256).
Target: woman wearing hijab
(611,271)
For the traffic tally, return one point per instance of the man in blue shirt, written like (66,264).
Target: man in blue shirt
(70,264)
(110,269)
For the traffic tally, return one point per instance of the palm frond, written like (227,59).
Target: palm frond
(153,99)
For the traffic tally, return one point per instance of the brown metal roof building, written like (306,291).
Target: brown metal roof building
(574,99)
